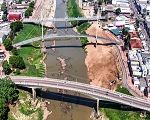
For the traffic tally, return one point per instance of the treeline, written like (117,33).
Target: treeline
(8,95)
(16,62)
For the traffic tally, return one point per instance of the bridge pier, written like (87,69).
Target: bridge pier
(34,93)
(98,113)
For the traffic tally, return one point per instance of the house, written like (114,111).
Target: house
(13,16)
(136,82)
(2,37)
(135,43)
(143,84)
(1,15)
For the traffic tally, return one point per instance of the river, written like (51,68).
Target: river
(67,61)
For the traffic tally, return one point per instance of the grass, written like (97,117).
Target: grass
(124,90)
(26,108)
(114,114)
(10,117)
(28,31)
(83,27)
(73,10)
(40,114)
(31,55)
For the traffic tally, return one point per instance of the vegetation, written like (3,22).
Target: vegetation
(83,27)
(29,11)
(16,26)
(117,11)
(114,114)
(126,37)
(5,11)
(17,62)
(123,90)
(8,44)
(31,54)
(8,94)
(6,68)
(73,11)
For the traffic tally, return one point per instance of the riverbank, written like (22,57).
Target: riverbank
(26,109)
(101,61)
(44,9)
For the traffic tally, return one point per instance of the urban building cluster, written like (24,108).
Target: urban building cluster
(138,54)
(14,10)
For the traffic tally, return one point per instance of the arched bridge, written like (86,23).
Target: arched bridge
(52,36)
(90,90)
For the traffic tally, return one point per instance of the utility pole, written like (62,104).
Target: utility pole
(42,24)
(97,26)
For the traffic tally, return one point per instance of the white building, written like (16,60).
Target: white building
(2,37)
(136,82)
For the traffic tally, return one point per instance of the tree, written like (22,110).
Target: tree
(14,51)
(4,8)
(31,4)
(4,17)
(127,41)
(125,31)
(117,11)
(16,26)
(3,110)
(8,44)
(6,67)
(28,12)
(17,62)
(8,90)
(8,94)
(11,35)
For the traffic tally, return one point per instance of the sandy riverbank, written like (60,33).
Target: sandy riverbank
(46,9)
(101,61)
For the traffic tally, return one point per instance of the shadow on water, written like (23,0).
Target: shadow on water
(89,102)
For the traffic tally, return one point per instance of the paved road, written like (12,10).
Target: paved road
(90,90)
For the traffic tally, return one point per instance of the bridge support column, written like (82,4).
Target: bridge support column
(33,94)
(98,113)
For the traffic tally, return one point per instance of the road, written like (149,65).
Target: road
(87,89)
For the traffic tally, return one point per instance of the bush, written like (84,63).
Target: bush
(8,44)
(14,51)
(117,11)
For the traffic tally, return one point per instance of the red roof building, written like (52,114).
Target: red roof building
(13,16)
(135,43)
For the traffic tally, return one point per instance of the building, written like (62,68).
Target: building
(135,44)
(1,15)
(136,82)
(13,16)
(143,84)
(2,37)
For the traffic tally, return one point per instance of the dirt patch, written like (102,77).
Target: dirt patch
(101,61)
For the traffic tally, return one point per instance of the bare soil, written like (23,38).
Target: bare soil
(101,61)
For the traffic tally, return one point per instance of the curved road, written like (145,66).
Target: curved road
(91,90)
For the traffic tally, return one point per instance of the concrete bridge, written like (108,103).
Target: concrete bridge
(94,18)
(91,90)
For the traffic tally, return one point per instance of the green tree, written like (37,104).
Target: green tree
(17,62)
(6,67)
(4,17)
(125,31)
(8,44)
(8,91)
(3,110)
(16,26)
(31,4)
(19,1)
(11,35)
(117,11)
(28,12)
(14,51)
(4,8)
(127,41)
